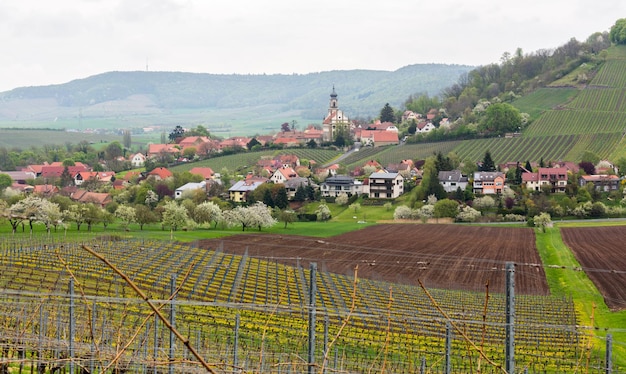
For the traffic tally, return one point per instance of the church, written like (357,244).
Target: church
(335,122)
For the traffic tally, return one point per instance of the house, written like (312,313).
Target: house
(531,181)
(376,138)
(601,182)
(178,193)
(137,160)
(488,182)
(193,141)
(83,196)
(452,180)
(338,184)
(45,190)
(234,142)
(283,174)
(384,185)
(155,150)
(555,178)
(206,172)
(20,176)
(312,133)
(239,191)
(424,127)
(293,184)
(288,160)
(51,172)
(102,176)
(287,141)
(160,173)
(410,115)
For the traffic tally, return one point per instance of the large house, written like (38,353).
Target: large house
(384,185)
(554,179)
(239,191)
(488,182)
(452,180)
(191,186)
(377,138)
(336,185)
(601,182)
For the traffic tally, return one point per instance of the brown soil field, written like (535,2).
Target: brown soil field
(440,256)
(602,254)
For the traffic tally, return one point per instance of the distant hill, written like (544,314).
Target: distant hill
(240,104)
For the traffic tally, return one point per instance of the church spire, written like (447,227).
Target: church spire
(333,99)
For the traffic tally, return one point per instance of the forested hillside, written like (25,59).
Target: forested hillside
(242,103)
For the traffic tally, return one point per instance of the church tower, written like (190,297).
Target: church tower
(334,118)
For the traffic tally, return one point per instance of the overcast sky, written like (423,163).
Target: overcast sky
(49,42)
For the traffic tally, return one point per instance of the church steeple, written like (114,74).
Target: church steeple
(333,99)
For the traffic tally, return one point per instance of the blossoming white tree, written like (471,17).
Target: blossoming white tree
(207,212)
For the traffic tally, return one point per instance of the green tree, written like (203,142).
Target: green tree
(127,139)
(422,104)
(174,215)
(412,127)
(113,151)
(5,181)
(387,114)
(488,164)
(501,118)
(178,132)
(446,208)
(287,216)
(322,212)
(543,220)
(281,200)
(126,214)
(144,215)
(617,34)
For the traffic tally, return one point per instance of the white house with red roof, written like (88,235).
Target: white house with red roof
(283,174)
(137,160)
(102,176)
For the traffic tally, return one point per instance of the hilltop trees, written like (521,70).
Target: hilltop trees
(501,118)
(617,34)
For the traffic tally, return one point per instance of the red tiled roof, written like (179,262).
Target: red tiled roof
(161,172)
(205,172)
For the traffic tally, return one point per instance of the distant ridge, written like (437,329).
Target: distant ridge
(154,96)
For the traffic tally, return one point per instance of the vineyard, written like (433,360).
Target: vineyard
(249,312)
(242,161)
(544,99)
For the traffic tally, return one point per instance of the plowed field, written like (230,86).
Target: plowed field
(441,256)
(601,251)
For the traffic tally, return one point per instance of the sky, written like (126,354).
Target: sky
(51,42)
